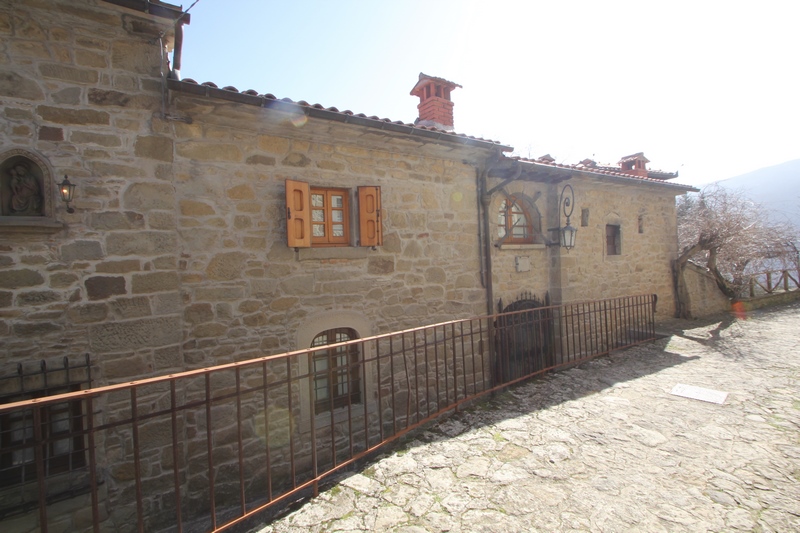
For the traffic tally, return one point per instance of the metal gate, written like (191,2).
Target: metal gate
(524,338)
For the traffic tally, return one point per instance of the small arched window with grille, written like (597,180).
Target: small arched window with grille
(517,223)
(335,370)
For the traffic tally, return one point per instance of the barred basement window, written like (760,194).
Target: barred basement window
(59,434)
(335,370)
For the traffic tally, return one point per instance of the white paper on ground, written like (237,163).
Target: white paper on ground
(699,393)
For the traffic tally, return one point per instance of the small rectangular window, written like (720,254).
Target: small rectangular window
(613,240)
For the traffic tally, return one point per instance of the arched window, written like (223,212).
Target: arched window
(515,223)
(335,371)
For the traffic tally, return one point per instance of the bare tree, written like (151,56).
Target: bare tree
(732,237)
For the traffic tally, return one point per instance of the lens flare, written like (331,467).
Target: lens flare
(298,121)
(739,310)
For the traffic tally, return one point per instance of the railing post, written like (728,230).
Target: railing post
(785,276)
(752,287)
(38,452)
(769,282)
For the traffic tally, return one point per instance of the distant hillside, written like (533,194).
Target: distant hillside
(777,188)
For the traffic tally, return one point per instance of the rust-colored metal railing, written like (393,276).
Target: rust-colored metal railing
(206,449)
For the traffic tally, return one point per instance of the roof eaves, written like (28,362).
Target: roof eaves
(155,8)
(601,172)
(287,105)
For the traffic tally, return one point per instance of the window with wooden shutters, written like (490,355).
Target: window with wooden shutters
(319,217)
(613,244)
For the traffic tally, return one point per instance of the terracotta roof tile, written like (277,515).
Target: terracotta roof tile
(602,170)
(186,82)
(546,160)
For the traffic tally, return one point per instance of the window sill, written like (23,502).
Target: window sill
(523,246)
(320,254)
(30,225)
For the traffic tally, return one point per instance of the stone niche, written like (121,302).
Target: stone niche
(26,192)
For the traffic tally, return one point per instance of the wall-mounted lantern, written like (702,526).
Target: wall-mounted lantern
(568,232)
(566,235)
(67,191)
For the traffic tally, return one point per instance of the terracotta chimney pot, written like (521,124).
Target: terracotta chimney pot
(435,106)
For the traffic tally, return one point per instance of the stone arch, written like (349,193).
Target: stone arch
(26,185)
(318,322)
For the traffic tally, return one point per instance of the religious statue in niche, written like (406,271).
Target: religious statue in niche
(21,190)
(26,195)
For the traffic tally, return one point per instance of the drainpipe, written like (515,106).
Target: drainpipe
(175,73)
(486,200)
(478,209)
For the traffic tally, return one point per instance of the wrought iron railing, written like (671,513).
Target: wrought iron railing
(206,449)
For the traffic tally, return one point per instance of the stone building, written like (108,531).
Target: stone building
(213,225)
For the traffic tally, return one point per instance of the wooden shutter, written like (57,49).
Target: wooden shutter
(370,229)
(298,214)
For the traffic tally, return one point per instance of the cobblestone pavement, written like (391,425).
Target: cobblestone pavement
(604,447)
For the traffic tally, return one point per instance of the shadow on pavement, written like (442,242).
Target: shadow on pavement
(556,388)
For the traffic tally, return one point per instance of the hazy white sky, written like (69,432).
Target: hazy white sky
(710,89)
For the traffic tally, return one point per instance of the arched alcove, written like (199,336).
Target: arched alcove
(26,192)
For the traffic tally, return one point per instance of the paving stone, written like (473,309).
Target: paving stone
(605,446)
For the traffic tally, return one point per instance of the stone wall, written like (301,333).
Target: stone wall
(80,83)
(705,298)
(587,272)
(247,292)
(176,255)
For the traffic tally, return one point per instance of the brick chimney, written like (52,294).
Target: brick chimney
(635,164)
(435,107)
